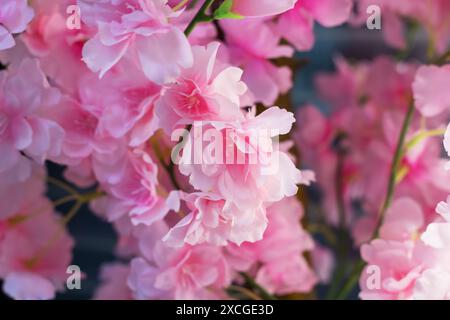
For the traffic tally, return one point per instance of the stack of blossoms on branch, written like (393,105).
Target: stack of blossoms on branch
(164,116)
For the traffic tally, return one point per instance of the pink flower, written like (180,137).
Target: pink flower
(432,16)
(114,283)
(82,136)
(431,92)
(189,272)
(205,91)
(25,99)
(400,264)
(57,47)
(28,286)
(20,194)
(242,164)
(136,30)
(258,8)
(214,220)
(32,261)
(396,264)
(251,50)
(14,18)
(131,181)
(124,106)
(297,25)
(323,263)
(283,268)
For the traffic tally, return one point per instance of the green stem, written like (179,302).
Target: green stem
(342,238)
(398,155)
(201,16)
(62,185)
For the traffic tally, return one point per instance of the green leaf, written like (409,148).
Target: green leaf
(224,11)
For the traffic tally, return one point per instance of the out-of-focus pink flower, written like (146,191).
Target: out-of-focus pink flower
(32,261)
(189,272)
(323,263)
(400,264)
(114,283)
(431,93)
(397,269)
(57,46)
(14,18)
(138,30)
(297,24)
(82,136)
(247,168)
(258,8)
(432,16)
(213,220)
(251,50)
(20,194)
(25,99)
(206,91)
(383,82)
(283,268)
(28,286)
(379,103)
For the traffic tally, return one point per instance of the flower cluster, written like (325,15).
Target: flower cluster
(104,100)
(163,118)
(404,247)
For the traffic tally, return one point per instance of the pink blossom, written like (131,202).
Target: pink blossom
(114,283)
(131,182)
(251,49)
(297,24)
(32,262)
(20,194)
(284,270)
(431,90)
(189,272)
(136,30)
(433,17)
(406,265)
(214,220)
(28,286)
(323,263)
(14,18)
(206,91)
(247,168)
(25,99)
